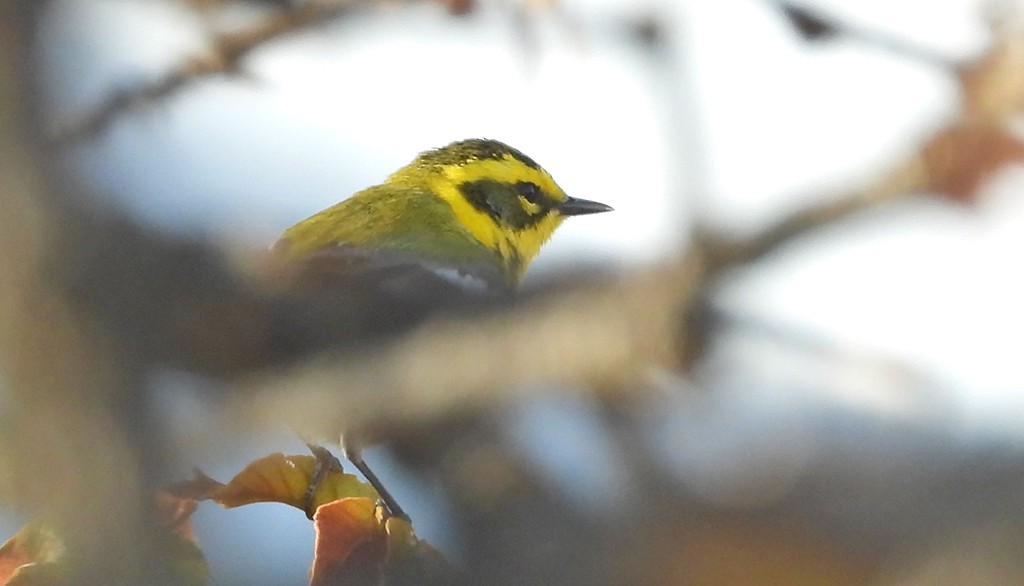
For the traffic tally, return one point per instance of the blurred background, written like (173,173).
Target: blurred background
(855,414)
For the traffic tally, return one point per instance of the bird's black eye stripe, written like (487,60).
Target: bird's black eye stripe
(529,191)
(504,201)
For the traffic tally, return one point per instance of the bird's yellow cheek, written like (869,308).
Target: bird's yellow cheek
(479,224)
(528,242)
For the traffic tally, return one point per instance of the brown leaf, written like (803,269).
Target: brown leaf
(959,160)
(175,513)
(177,540)
(357,544)
(459,7)
(36,555)
(33,556)
(351,543)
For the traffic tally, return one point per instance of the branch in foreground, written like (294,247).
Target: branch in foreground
(605,336)
(66,451)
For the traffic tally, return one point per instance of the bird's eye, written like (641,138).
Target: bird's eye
(529,191)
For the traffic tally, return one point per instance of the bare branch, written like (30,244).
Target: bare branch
(722,252)
(224,57)
(815,23)
(66,452)
(607,336)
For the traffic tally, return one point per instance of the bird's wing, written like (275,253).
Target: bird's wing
(347,295)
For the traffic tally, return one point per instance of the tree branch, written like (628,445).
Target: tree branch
(225,54)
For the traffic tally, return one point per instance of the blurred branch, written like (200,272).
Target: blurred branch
(607,336)
(66,450)
(723,252)
(814,24)
(224,56)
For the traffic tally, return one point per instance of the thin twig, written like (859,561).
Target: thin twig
(722,252)
(223,57)
(821,22)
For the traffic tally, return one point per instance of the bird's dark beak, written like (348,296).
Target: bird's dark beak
(570,206)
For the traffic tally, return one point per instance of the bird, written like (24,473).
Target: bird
(462,220)
(477,209)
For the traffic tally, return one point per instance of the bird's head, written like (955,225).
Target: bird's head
(501,196)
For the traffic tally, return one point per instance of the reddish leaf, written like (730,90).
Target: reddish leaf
(351,543)
(960,159)
(177,543)
(177,540)
(175,514)
(36,555)
(32,557)
(356,544)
